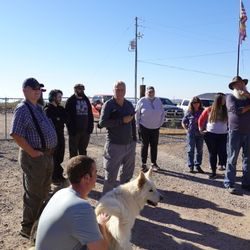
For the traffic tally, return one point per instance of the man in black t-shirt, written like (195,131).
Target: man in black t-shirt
(80,121)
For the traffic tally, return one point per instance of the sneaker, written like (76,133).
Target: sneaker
(24,234)
(221,168)
(212,176)
(155,167)
(144,168)
(231,190)
(199,170)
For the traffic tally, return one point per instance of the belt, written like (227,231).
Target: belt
(46,151)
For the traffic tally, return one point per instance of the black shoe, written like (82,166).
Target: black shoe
(144,168)
(245,187)
(199,170)
(24,234)
(155,167)
(191,169)
(212,176)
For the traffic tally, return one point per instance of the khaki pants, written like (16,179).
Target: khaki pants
(118,156)
(37,173)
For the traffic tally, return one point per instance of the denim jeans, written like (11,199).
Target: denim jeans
(236,141)
(194,149)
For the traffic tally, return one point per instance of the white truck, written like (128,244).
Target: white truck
(185,102)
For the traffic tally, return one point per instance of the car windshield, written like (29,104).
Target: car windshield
(207,103)
(166,101)
(107,97)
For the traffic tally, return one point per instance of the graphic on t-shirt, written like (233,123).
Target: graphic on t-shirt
(81,107)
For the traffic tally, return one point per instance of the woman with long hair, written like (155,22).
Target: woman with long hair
(194,137)
(213,121)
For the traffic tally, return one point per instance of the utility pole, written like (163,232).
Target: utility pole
(136,37)
(133,48)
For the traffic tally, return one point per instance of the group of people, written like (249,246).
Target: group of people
(39,131)
(225,128)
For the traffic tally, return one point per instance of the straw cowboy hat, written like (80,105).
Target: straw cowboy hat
(237,79)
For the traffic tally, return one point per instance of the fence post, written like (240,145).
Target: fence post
(5,117)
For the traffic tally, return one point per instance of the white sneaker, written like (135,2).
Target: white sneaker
(221,168)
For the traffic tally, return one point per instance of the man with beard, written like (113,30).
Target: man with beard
(238,106)
(56,112)
(81,121)
(149,117)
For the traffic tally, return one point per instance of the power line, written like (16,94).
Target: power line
(184,69)
(199,55)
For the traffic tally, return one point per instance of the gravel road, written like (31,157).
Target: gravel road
(196,213)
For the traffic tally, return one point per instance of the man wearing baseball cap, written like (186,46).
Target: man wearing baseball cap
(35,135)
(238,107)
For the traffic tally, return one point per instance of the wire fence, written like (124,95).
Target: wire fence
(8,105)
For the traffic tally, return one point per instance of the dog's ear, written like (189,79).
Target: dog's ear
(149,173)
(141,180)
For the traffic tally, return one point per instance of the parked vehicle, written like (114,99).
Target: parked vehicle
(132,100)
(96,102)
(173,114)
(185,102)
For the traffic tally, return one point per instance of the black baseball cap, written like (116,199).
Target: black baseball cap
(33,83)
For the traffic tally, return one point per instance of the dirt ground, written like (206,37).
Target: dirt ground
(196,213)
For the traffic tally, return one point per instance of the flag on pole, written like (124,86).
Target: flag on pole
(243,20)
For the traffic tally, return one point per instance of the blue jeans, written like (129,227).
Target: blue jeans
(194,149)
(236,141)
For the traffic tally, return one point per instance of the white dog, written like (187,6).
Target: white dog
(124,204)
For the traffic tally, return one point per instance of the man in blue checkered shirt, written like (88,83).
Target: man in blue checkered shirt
(36,137)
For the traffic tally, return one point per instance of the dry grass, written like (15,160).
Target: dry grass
(172,131)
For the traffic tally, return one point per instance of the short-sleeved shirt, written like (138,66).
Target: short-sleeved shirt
(191,122)
(67,222)
(24,126)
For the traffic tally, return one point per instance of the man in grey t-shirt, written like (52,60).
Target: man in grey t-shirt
(68,221)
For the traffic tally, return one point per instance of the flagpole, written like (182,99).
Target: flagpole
(238,54)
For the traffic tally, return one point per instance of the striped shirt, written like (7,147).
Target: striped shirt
(23,125)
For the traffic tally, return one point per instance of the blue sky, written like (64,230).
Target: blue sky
(188,47)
